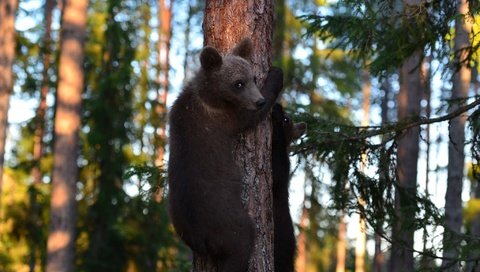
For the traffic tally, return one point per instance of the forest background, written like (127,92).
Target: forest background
(386,178)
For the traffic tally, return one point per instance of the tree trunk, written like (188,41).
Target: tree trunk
(407,157)
(456,155)
(409,98)
(164,34)
(61,239)
(225,24)
(38,145)
(8,10)
(301,261)
(341,245)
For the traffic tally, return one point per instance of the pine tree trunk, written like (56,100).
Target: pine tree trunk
(409,98)
(164,34)
(341,245)
(8,10)
(456,154)
(408,147)
(61,239)
(38,145)
(225,24)
(301,261)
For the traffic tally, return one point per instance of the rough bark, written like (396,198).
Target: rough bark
(456,154)
(8,10)
(225,24)
(61,238)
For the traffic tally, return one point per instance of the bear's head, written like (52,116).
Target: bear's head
(228,82)
(290,130)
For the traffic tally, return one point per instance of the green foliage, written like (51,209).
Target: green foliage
(382,34)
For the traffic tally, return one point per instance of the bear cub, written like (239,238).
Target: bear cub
(205,184)
(284,133)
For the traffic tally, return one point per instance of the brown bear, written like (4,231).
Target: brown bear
(284,132)
(205,184)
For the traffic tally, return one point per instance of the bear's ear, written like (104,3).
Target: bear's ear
(210,58)
(244,49)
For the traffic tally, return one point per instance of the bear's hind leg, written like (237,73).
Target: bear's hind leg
(238,254)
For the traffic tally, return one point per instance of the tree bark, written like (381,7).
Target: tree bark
(408,147)
(163,45)
(456,154)
(341,245)
(8,10)
(301,261)
(61,239)
(225,24)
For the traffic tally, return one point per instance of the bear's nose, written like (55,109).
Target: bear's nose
(260,103)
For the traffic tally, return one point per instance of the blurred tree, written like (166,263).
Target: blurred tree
(163,67)
(409,98)
(108,118)
(8,9)
(61,238)
(456,145)
(38,143)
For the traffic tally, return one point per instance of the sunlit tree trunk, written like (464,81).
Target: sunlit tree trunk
(301,261)
(225,24)
(409,98)
(341,245)
(456,154)
(163,46)
(61,238)
(8,10)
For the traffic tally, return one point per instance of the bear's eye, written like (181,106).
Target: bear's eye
(286,120)
(239,84)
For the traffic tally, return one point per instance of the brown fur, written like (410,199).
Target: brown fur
(284,132)
(204,182)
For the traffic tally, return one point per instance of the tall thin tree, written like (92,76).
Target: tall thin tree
(252,19)
(38,144)
(61,238)
(456,145)
(163,45)
(409,98)
(8,10)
